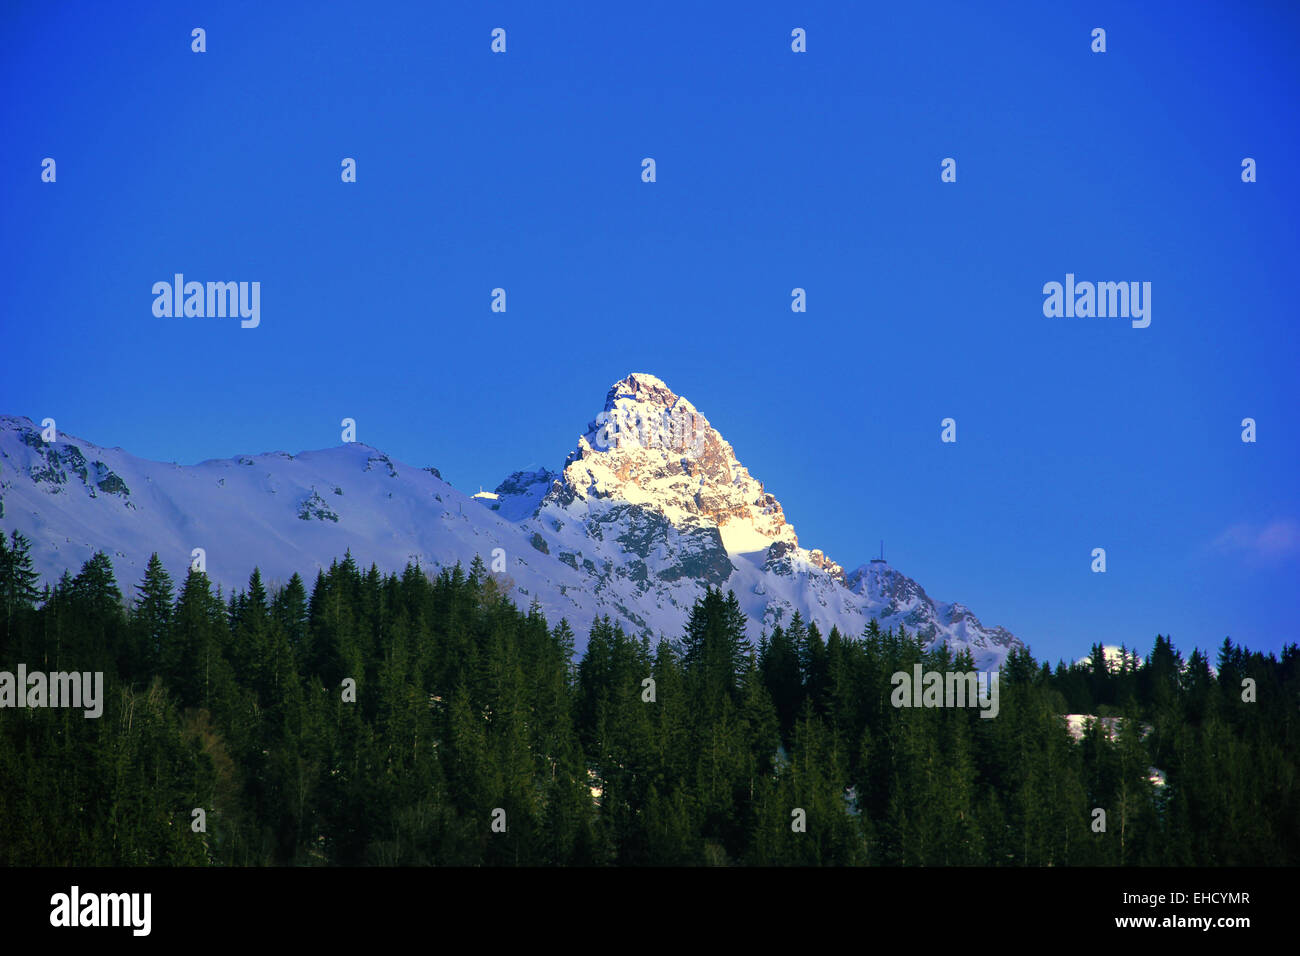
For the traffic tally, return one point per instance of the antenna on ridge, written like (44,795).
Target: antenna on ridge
(881,559)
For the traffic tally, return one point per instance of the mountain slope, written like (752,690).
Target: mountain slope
(650,508)
(654,500)
(281,512)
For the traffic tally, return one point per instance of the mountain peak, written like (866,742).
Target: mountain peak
(651,447)
(641,387)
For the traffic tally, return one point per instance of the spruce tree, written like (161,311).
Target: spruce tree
(151,618)
(17,578)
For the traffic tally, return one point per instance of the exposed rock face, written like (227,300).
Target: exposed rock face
(652,447)
(61,467)
(521,493)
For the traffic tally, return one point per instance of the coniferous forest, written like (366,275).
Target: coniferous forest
(469,712)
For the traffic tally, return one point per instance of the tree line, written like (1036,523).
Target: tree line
(472,735)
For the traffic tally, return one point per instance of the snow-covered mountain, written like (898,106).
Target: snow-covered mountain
(650,508)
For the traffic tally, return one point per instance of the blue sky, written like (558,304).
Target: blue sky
(775,170)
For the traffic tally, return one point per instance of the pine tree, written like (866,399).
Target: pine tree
(816,673)
(96,603)
(194,663)
(714,647)
(17,578)
(151,618)
(781,676)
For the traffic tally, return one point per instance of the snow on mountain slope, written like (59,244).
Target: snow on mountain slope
(892,599)
(650,508)
(521,493)
(653,501)
(281,512)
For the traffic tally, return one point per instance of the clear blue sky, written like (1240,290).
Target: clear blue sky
(775,170)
